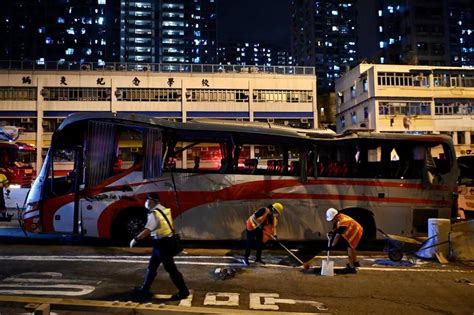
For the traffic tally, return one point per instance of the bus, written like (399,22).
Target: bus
(214,174)
(466,187)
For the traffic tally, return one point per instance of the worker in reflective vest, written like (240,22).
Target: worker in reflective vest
(159,228)
(261,226)
(3,184)
(351,232)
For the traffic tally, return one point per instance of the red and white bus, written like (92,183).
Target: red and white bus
(213,175)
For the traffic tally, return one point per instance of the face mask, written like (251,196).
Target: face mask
(148,204)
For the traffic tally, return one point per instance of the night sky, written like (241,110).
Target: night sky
(264,21)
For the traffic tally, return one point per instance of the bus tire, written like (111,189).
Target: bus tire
(128,224)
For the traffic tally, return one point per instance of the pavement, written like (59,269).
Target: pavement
(103,275)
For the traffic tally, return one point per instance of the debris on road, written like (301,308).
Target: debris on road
(225,273)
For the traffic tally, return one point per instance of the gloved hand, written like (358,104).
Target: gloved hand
(133,242)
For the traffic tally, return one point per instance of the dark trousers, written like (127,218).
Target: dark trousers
(161,255)
(254,240)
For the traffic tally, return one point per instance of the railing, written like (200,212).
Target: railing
(154,67)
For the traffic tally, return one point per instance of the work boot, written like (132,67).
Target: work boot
(356,265)
(180,295)
(350,269)
(245,261)
(143,292)
(260,261)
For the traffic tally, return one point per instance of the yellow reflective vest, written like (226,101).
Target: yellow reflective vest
(163,229)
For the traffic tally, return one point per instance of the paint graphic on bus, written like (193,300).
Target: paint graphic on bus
(214,174)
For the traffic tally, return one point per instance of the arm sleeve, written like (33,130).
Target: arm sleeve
(152,223)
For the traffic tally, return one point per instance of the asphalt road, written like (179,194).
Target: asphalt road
(108,274)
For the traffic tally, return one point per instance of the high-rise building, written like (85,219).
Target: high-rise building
(417,32)
(71,31)
(187,31)
(460,26)
(240,53)
(138,30)
(324,36)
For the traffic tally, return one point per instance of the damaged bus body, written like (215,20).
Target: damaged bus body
(214,174)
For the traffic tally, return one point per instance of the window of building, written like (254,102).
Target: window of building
(354,118)
(285,96)
(353,91)
(454,107)
(365,84)
(217,95)
(405,108)
(148,95)
(366,113)
(76,94)
(9,93)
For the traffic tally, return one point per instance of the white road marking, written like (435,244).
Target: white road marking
(44,283)
(182,261)
(222,299)
(255,301)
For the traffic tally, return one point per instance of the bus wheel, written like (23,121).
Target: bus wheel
(128,225)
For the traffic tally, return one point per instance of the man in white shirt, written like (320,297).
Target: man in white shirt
(160,227)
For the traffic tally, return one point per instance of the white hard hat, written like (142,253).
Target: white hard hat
(331,214)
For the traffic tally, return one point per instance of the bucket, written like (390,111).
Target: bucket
(438,232)
(327,268)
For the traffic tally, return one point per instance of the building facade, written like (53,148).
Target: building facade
(75,31)
(324,36)
(413,99)
(438,33)
(239,53)
(138,31)
(187,31)
(37,101)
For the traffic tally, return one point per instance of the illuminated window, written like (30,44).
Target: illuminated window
(100,20)
(70,31)
(69,51)
(334,12)
(380,12)
(49,40)
(60,20)
(381,44)
(101,1)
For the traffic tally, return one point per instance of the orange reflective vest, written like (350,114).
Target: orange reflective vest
(268,226)
(354,230)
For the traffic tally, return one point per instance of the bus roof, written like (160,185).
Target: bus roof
(246,127)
